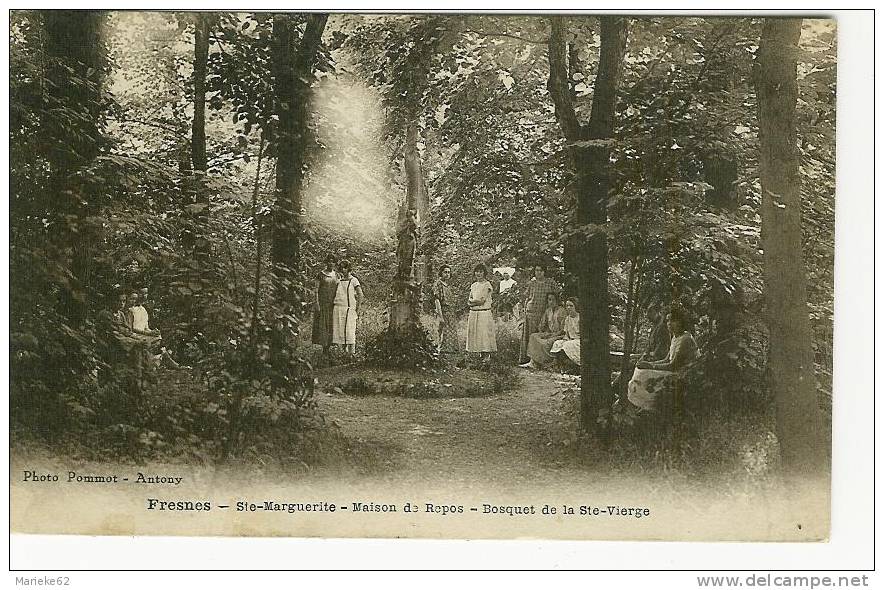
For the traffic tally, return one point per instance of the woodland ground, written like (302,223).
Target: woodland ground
(498,424)
(514,435)
(520,437)
(518,446)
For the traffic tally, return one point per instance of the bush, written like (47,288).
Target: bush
(509,339)
(405,348)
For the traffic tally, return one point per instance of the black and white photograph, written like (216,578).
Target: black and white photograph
(437,275)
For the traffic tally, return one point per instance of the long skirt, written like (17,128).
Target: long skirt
(322,325)
(344,325)
(539,347)
(571,348)
(530,325)
(648,386)
(480,332)
(448,332)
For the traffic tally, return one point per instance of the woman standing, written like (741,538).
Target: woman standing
(551,329)
(536,292)
(480,327)
(348,298)
(326,287)
(443,301)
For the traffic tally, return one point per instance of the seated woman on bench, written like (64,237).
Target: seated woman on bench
(567,348)
(652,379)
(551,329)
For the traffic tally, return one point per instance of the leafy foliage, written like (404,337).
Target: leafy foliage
(101,203)
(408,347)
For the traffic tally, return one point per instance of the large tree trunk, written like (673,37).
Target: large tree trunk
(799,425)
(75,65)
(405,306)
(416,190)
(292,74)
(590,158)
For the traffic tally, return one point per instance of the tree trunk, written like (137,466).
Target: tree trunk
(416,190)
(198,128)
(799,424)
(405,306)
(197,178)
(76,66)
(292,75)
(629,317)
(590,159)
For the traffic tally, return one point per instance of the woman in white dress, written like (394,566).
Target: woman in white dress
(652,380)
(345,313)
(568,347)
(480,326)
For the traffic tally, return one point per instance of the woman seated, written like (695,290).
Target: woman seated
(567,347)
(653,379)
(551,329)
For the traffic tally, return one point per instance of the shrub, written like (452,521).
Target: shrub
(408,347)
(509,339)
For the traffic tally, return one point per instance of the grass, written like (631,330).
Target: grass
(440,382)
(734,451)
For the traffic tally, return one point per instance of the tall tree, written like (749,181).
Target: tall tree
(410,75)
(198,128)
(590,155)
(292,74)
(198,158)
(799,424)
(76,63)
(412,214)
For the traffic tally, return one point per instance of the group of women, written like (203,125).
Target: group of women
(552,331)
(336,309)
(558,335)
(550,328)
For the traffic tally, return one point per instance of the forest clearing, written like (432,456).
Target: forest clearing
(418,252)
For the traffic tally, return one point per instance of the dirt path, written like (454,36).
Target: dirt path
(468,454)
(521,434)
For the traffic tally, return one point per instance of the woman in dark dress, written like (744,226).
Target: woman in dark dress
(443,300)
(326,286)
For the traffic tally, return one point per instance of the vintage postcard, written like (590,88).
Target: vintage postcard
(463,276)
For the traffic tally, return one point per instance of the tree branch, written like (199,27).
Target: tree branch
(177,132)
(502,34)
(613,46)
(557,85)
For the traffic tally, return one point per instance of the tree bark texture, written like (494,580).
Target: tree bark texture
(75,62)
(75,65)
(590,160)
(200,59)
(799,424)
(196,190)
(405,306)
(292,76)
